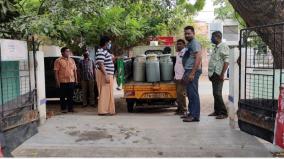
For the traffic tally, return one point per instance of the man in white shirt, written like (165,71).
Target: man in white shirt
(179,71)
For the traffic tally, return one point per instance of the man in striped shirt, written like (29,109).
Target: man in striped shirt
(103,56)
(104,75)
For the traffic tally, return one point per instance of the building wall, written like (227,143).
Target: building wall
(50,50)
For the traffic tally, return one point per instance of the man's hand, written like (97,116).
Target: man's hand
(107,78)
(56,78)
(191,76)
(222,77)
(58,84)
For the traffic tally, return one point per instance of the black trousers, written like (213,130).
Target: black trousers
(217,84)
(66,96)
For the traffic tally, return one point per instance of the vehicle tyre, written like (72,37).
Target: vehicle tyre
(130,106)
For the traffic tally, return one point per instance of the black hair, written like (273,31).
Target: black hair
(217,34)
(180,41)
(104,40)
(167,50)
(63,49)
(189,28)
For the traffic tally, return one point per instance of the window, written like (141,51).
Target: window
(230,33)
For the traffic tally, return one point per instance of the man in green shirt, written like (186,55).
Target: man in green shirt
(218,65)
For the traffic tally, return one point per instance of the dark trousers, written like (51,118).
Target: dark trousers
(217,84)
(192,93)
(88,86)
(66,95)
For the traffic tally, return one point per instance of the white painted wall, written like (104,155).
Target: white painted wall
(50,50)
(207,13)
(92,52)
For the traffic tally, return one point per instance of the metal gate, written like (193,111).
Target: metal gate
(18,91)
(261,55)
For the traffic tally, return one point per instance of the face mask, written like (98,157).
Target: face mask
(109,46)
(213,40)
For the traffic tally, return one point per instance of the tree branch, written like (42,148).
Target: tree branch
(22,6)
(39,9)
(236,17)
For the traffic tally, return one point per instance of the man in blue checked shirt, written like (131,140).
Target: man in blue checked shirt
(87,68)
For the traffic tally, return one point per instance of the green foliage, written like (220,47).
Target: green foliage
(7,14)
(204,41)
(224,10)
(7,10)
(78,23)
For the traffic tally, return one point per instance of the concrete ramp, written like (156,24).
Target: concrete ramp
(139,135)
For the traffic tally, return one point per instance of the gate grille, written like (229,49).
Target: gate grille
(17,92)
(261,55)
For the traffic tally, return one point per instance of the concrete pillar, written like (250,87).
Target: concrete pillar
(41,98)
(40,82)
(233,86)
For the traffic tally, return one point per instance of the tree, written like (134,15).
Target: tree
(260,12)
(78,23)
(224,10)
(7,10)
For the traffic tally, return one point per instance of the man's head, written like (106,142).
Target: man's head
(86,53)
(189,33)
(65,52)
(104,42)
(216,37)
(180,44)
(167,50)
(150,38)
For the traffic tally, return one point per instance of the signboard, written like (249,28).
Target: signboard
(13,50)
(166,40)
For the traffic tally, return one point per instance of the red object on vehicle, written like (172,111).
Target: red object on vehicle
(279,121)
(1,151)
(167,40)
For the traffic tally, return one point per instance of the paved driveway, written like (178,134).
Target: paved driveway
(146,133)
(139,135)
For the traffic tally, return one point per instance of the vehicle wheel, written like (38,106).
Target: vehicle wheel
(130,106)
(78,95)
